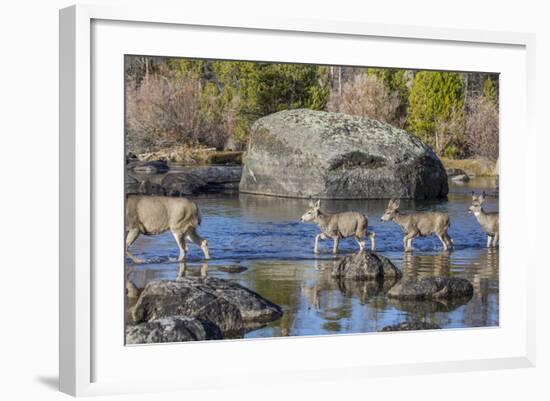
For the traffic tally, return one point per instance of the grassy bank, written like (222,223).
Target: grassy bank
(472,167)
(192,155)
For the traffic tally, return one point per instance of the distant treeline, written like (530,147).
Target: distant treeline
(171,101)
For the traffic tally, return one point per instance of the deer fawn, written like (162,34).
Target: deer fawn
(487,221)
(150,215)
(338,226)
(419,224)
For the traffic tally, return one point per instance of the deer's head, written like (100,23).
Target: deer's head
(391,210)
(477,202)
(312,212)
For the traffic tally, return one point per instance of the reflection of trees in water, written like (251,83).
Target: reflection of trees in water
(483,309)
(281,289)
(481,270)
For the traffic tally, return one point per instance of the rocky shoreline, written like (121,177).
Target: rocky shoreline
(210,308)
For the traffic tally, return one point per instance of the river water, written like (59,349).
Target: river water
(264,235)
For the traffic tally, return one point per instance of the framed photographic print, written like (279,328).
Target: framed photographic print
(287,190)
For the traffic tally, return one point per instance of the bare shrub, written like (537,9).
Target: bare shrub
(367,96)
(449,136)
(482,127)
(160,112)
(168,109)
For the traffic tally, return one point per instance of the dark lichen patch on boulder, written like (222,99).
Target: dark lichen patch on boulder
(357,159)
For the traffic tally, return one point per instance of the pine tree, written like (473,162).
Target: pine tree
(436,99)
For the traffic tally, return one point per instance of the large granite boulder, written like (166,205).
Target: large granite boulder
(366,266)
(172,329)
(431,288)
(228,305)
(305,153)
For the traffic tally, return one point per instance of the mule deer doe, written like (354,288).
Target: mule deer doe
(487,221)
(419,224)
(338,226)
(149,215)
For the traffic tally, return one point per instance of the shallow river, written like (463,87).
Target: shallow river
(264,235)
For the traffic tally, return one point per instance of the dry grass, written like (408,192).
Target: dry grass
(192,155)
(367,96)
(472,167)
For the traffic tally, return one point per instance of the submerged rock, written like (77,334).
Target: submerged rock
(148,167)
(305,153)
(173,329)
(191,181)
(366,266)
(232,269)
(427,288)
(182,184)
(230,306)
(460,178)
(409,326)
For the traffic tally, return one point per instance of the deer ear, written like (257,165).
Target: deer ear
(482,197)
(396,204)
(318,204)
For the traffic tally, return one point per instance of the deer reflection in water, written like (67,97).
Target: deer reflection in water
(183,272)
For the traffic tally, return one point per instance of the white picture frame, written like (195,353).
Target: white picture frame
(93,359)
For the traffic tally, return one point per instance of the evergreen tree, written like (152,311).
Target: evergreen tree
(490,90)
(436,99)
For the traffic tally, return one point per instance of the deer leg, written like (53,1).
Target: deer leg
(317,238)
(449,240)
(198,240)
(131,237)
(442,241)
(371,236)
(495,240)
(335,247)
(407,243)
(360,242)
(180,239)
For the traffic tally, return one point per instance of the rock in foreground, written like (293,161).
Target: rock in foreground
(366,266)
(173,329)
(229,306)
(426,288)
(305,153)
(410,326)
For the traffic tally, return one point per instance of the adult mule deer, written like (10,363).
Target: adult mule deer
(420,224)
(338,225)
(149,215)
(487,221)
